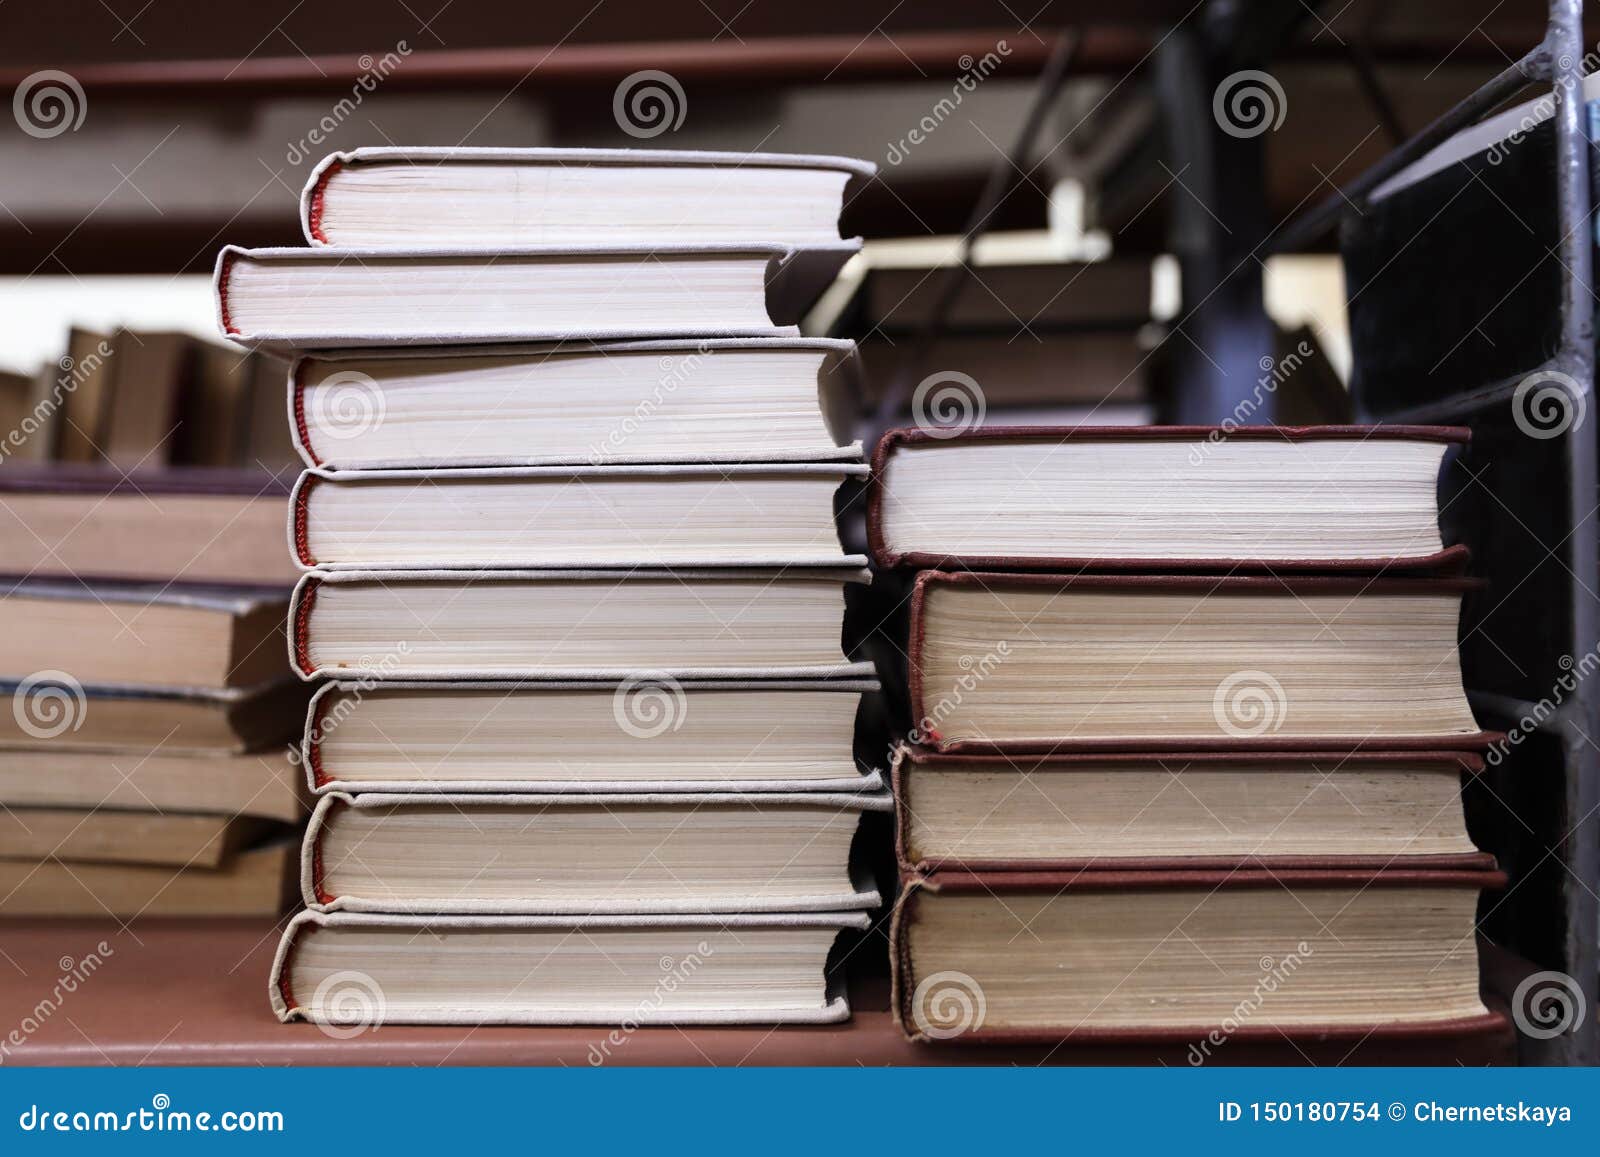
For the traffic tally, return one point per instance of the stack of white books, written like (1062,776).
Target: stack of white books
(584,749)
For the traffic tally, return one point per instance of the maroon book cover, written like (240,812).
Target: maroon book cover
(1001,886)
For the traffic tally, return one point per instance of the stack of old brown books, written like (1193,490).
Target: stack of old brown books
(145,766)
(1189,736)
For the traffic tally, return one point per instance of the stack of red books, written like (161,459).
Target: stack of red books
(1189,735)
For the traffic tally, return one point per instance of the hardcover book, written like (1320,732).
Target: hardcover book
(101,835)
(196,525)
(741,514)
(264,785)
(1167,497)
(339,968)
(711,400)
(1197,809)
(178,720)
(150,634)
(641,734)
(1173,955)
(573,624)
(505,198)
(327,298)
(1187,663)
(257,882)
(677,852)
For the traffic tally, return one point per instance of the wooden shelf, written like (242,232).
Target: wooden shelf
(194,992)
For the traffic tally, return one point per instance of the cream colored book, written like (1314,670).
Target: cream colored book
(552,516)
(636,734)
(329,298)
(364,970)
(577,624)
(499,198)
(712,400)
(704,852)
(1163,498)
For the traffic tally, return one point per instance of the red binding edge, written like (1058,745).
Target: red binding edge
(314,216)
(222,293)
(302,620)
(302,544)
(297,387)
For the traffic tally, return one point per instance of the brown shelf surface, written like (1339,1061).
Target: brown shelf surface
(192,992)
